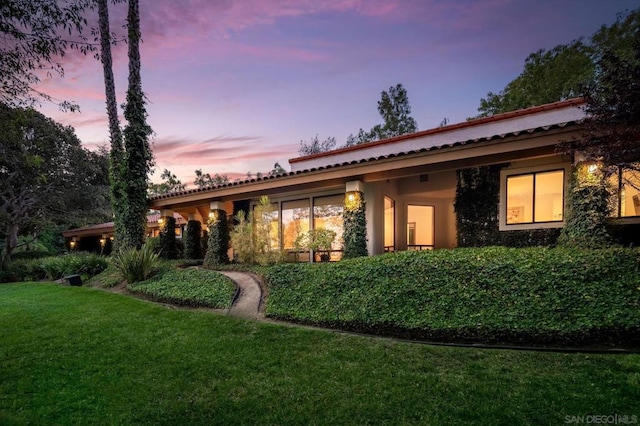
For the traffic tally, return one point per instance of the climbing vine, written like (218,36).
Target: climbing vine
(355,226)
(168,249)
(588,209)
(218,244)
(192,243)
(477,216)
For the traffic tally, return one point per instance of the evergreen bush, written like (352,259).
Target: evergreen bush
(533,295)
(192,244)
(218,244)
(168,249)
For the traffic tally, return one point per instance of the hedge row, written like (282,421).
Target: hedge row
(55,267)
(492,294)
(188,287)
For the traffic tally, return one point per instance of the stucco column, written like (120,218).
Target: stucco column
(354,221)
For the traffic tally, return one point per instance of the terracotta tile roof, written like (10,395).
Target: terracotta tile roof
(470,123)
(108,226)
(443,129)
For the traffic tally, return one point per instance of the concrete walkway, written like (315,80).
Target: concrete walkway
(247,302)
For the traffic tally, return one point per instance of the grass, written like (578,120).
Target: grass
(81,355)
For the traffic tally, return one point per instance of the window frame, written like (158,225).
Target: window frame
(617,195)
(533,170)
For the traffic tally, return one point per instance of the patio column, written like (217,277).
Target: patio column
(218,245)
(354,221)
(168,235)
(192,237)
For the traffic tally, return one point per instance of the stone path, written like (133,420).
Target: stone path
(248,300)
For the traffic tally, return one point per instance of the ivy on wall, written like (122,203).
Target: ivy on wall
(168,249)
(192,244)
(218,244)
(355,226)
(204,243)
(477,213)
(588,209)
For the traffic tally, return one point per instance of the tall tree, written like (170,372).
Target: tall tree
(205,180)
(277,170)
(611,138)
(613,106)
(316,146)
(548,76)
(33,42)
(170,183)
(395,110)
(138,157)
(564,71)
(46,177)
(115,133)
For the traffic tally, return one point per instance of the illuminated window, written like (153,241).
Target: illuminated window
(389,224)
(626,184)
(268,226)
(420,227)
(327,213)
(295,221)
(535,197)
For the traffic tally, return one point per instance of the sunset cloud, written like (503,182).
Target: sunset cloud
(233,86)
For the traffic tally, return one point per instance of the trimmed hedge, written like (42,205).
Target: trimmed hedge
(189,287)
(493,294)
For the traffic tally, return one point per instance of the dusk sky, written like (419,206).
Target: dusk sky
(233,86)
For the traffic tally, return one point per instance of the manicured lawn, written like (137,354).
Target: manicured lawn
(84,356)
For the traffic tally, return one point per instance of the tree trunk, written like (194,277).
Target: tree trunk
(138,158)
(115,133)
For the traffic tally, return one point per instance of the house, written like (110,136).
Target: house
(409,183)
(97,238)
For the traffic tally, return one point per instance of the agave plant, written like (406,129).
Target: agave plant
(136,265)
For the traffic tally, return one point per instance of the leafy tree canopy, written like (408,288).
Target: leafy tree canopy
(36,35)
(316,146)
(564,71)
(205,180)
(170,183)
(613,105)
(395,110)
(47,177)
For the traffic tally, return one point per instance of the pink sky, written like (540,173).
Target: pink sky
(233,86)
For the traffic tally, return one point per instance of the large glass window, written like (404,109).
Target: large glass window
(327,213)
(420,227)
(266,219)
(626,185)
(389,224)
(535,197)
(295,221)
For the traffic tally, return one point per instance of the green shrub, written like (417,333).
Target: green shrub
(56,267)
(218,244)
(136,265)
(242,239)
(192,245)
(168,248)
(190,287)
(492,294)
(30,254)
(108,278)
